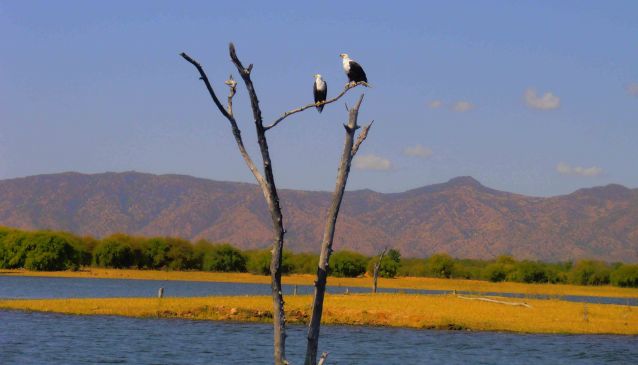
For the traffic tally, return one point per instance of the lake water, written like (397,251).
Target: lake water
(45,338)
(26,287)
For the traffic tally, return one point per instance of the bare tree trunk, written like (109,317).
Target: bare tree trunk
(350,148)
(272,198)
(267,184)
(375,274)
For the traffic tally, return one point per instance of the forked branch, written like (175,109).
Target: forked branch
(231,119)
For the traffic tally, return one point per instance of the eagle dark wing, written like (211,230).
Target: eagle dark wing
(356,73)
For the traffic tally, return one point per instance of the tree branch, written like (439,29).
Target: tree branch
(231,119)
(302,108)
(204,78)
(362,137)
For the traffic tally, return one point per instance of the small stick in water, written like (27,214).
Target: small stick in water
(160,293)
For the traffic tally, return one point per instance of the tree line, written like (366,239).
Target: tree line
(53,250)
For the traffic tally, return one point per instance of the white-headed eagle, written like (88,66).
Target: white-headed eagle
(320,89)
(353,70)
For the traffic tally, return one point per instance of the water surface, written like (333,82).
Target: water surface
(28,287)
(45,338)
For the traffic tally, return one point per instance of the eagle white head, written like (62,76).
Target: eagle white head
(317,77)
(345,61)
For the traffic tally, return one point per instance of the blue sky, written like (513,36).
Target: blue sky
(533,97)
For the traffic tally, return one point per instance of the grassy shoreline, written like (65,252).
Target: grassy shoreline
(397,283)
(393,310)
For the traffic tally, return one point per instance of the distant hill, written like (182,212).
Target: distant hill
(460,217)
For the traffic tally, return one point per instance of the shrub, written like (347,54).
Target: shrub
(304,263)
(440,265)
(156,253)
(347,264)
(625,276)
(181,254)
(589,272)
(40,250)
(114,251)
(51,251)
(389,265)
(259,262)
(17,246)
(496,272)
(412,267)
(224,257)
(530,272)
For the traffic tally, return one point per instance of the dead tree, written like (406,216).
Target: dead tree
(265,179)
(350,149)
(375,273)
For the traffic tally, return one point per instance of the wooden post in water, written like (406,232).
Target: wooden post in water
(160,293)
(294,292)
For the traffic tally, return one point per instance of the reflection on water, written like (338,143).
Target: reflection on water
(44,338)
(43,287)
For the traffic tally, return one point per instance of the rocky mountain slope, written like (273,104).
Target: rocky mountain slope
(460,217)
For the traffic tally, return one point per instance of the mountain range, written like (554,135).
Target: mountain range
(460,217)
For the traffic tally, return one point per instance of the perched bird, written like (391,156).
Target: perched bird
(320,89)
(353,70)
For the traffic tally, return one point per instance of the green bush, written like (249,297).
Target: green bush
(413,267)
(304,263)
(496,272)
(347,264)
(115,251)
(530,272)
(52,251)
(625,276)
(40,250)
(389,265)
(225,258)
(440,265)
(259,262)
(12,255)
(590,272)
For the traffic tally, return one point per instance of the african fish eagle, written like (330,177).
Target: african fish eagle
(353,70)
(320,90)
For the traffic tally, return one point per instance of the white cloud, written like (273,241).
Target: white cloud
(565,169)
(462,106)
(435,104)
(417,151)
(547,101)
(632,88)
(372,162)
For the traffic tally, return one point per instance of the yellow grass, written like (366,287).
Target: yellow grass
(398,283)
(398,310)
